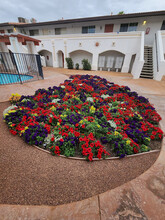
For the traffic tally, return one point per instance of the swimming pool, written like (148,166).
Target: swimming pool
(6,78)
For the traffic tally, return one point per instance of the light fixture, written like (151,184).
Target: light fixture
(144,22)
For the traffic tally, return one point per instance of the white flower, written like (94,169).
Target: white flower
(112,123)
(90,99)
(55,100)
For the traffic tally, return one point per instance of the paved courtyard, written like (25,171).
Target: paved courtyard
(140,198)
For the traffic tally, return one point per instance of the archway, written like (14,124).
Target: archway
(48,57)
(78,55)
(111,60)
(60,56)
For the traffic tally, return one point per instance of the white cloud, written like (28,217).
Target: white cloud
(47,10)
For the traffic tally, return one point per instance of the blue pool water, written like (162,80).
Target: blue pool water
(6,78)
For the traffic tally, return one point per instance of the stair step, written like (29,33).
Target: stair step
(147,72)
(147,69)
(144,77)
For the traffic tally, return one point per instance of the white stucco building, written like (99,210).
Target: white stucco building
(132,43)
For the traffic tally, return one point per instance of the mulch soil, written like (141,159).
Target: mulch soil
(29,176)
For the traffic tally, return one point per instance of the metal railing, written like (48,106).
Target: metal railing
(19,68)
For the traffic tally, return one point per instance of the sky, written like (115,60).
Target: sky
(51,10)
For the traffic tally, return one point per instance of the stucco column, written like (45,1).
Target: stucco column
(95,61)
(54,57)
(16,46)
(31,47)
(65,53)
(126,63)
(3,47)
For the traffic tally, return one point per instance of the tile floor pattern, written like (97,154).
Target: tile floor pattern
(141,198)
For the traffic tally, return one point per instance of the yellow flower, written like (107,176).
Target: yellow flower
(98,126)
(92,109)
(116,133)
(11,111)
(58,123)
(128,142)
(81,122)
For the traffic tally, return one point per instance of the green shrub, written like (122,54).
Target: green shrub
(77,66)
(69,62)
(86,64)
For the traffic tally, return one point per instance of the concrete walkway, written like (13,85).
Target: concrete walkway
(141,198)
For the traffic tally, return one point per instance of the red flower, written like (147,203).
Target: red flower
(90,157)
(83,126)
(77,134)
(92,145)
(52,139)
(152,137)
(135,150)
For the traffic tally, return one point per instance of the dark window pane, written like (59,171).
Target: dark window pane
(132,27)
(84,30)
(91,29)
(34,32)
(123,27)
(10,30)
(163,26)
(57,31)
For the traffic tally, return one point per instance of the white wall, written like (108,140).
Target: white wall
(48,57)
(153,22)
(159,59)
(126,43)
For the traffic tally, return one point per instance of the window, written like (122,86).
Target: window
(128,27)
(34,32)
(57,31)
(23,31)
(10,30)
(132,26)
(123,27)
(163,25)
(88,29)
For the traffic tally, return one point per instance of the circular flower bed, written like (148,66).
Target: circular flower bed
(86,116)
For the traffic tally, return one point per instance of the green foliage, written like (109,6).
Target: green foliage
(69,62)
(77,66)
(86,64)
(121,13)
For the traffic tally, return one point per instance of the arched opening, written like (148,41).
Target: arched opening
(48,57)
(60,56)
(78,55)
(111,61)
